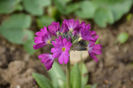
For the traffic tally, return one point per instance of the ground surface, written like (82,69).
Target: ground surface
(114,69)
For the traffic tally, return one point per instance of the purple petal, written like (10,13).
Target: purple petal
(47,60)
(54,27)
(94,49)
(39,45)
(64,58)
(59,44)
(98,52)
(41,38)
(64,28)
(94,57)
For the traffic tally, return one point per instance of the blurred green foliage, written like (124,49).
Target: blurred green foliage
(8,6)
(36,7)
(104,11)
(122,37)
(84,74)
(42,81)
(58,79)
(44,20)
(20,14)
(75,77)
(57,76)
(14,27)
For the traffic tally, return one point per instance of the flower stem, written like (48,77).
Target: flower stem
(68,75)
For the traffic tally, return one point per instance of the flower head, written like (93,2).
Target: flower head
(86,33)
(70,32)
(94,49)
(47,60)
(61,49)
(54,27)
(42,38)
(71,24)
(64,28)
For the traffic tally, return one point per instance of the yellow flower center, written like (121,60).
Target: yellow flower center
(71,29)
(48,42)
(80,38)
(63,49)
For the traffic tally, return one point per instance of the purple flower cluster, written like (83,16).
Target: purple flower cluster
(62,38)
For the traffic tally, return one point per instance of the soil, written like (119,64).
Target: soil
(114,69)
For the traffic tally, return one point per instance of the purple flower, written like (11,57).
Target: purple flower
(42,38)
(64,28)
(61,49)
(47,60)
(94,49)
(54,27)
(70,32)
(86,33)
(71,24)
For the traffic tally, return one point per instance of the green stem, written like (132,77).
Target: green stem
(81,66)
(68,75)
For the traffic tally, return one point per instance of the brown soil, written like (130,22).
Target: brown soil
(114,69)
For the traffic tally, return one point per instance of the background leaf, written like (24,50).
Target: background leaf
(120,7)
(102,19)
(57,75)
(13,28)
(116,7)
(61,5)
(87,9)
(71,8)
(91,86)
(42,81)
(8,6)
(28,45)
(123,37)
(104,11)
(37,6)
(44,21)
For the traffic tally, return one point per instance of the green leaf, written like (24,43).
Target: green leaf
(87,9)
(102,19)
(36,7)
(76,77)
(104,11)
(44,21)
(19,7)
(94,86)
(13,28)
(61,5)
(84,74)
(8,6)
(71,8)
(97,41)
(129,17)
(123,37)
(88,86)
(57,75)
(120,7)
(42,81)
(28,45)
(91,86)
(52,11)
(117,7)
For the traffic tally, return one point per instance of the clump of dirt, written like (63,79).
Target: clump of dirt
(16,66)
(18,75)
